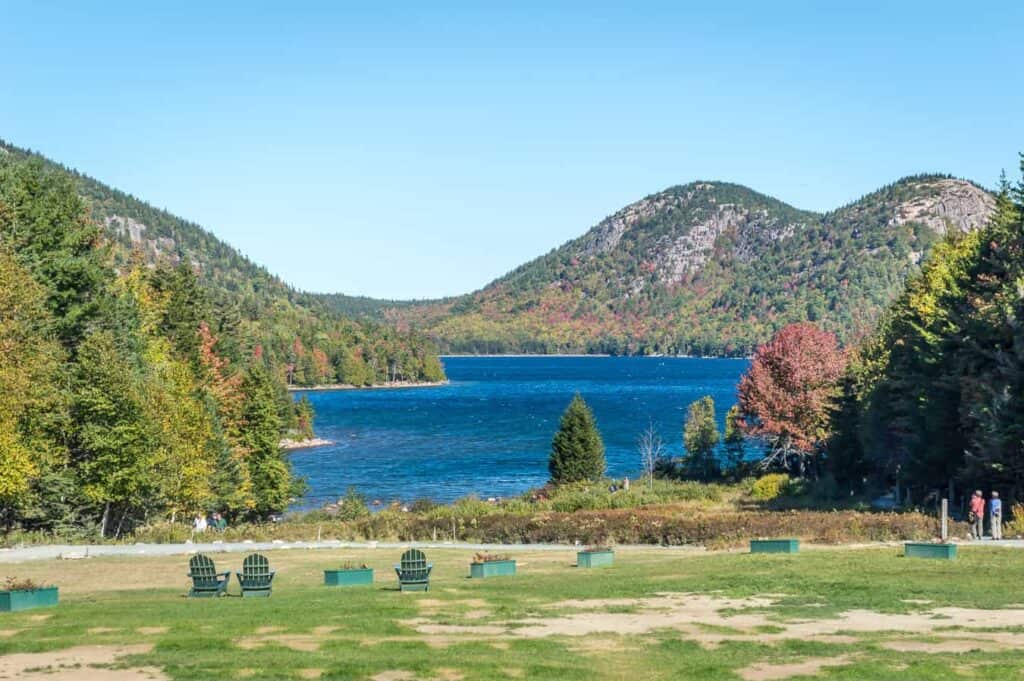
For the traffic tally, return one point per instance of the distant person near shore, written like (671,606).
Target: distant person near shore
(995,510)
(199,524)
(976,515)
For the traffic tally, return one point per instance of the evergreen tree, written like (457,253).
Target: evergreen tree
(268,469)
(46,224)
(577,452)
(735,443)
(184,306)
(700,437)
(304,417)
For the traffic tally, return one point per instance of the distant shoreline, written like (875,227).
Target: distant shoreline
(523,354)
(379,386)
(584,354)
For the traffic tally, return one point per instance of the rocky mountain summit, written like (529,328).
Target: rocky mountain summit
(708,268)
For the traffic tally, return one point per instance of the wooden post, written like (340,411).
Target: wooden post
(945,520)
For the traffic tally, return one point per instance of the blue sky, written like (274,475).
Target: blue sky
(406,150)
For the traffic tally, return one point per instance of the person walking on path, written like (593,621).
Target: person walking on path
(995,512)
(977,515)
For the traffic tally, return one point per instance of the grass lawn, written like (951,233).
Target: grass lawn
(656,614)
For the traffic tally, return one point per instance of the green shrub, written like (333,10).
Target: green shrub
(352,505)
(770,487)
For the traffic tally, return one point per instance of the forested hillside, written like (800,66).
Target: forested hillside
(302,338)
(143,363)
(707,268)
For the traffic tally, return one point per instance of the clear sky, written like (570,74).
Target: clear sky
(422,149)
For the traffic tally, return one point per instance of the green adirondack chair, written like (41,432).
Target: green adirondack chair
(206,581)
(256,576)
(413,571)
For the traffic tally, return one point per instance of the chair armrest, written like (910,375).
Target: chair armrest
(272,573)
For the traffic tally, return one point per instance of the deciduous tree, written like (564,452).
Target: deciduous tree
(788,392)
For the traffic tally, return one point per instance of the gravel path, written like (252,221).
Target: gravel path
(69,551)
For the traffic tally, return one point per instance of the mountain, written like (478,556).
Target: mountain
(708,268)
(300,335)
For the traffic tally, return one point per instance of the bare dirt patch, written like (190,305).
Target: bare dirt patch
(301,642)
(324,630)
(103,630)
(311,673)
(395,675)
(269,630)
(763,671)
(446,674)
(151,631)
(952,645)
(81,663)
(7,633)
(712,619)
(960,642)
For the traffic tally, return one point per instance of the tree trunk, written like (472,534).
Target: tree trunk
(106,518)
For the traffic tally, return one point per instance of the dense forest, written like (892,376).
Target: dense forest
(302,338)
(936,395)
(708,268)
(145,379)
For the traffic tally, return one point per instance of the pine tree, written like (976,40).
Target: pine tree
(577,452)
(700,437)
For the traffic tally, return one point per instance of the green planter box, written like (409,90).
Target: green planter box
(356,577)
(592,559)
(913,549)
(774,545)
(12,601)
(492,568)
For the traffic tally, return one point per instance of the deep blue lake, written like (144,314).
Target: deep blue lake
(488,432)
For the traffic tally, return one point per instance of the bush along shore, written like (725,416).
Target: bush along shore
(666,513)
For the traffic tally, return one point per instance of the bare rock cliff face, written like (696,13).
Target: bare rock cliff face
(949,206)
(160,248)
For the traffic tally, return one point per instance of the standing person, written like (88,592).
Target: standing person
(977,515)
(219,523)
(995,512)
(199,524)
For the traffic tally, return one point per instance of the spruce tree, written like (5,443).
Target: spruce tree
(268,469)
(577,452)
(700,436)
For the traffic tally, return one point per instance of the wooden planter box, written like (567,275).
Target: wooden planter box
(927,550)
(12,601)
(774,545)
(592,559)
(492,568)
(357,577)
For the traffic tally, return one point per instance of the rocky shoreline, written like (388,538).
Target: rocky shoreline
(308,443)
(378,386)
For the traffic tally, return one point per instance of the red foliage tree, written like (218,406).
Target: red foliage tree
(788,392)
